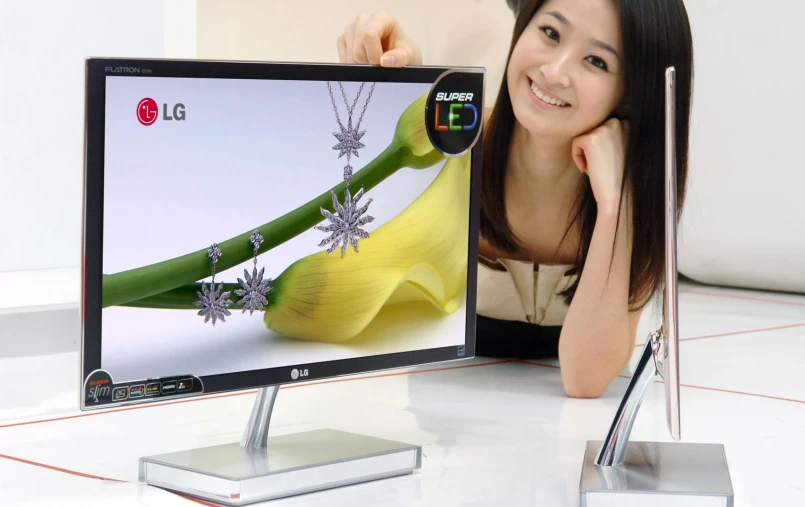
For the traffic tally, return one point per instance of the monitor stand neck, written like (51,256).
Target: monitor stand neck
(256,434)
(613,450)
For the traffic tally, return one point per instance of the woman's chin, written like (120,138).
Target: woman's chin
(542,127)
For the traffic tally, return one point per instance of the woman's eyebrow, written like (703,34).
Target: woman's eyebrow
(559,16)
(604,46)
(597,43)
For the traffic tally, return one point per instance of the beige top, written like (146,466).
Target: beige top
(519,290)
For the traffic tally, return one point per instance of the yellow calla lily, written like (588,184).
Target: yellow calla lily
(419,255)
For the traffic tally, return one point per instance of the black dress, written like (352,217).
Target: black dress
(514,339)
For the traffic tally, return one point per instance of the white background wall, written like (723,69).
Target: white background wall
(744,224)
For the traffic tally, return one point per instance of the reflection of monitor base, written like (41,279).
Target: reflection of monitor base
(260,468)
(658,474)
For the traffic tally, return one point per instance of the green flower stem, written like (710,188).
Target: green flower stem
(148,281)
(182,298)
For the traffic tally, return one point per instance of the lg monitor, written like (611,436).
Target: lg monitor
(251,224)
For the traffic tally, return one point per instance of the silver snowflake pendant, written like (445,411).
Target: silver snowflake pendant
(348,140)
(253,292)
(345,225)
(213,303)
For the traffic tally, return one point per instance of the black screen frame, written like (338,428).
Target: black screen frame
(96,72)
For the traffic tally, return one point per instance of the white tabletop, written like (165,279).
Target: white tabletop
(493,432)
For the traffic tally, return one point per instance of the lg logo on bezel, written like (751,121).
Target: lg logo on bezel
(295,374)
(148,112)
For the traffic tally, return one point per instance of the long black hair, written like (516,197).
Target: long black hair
(654,35)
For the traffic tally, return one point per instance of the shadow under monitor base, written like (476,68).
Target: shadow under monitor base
(658,474)
(300,463)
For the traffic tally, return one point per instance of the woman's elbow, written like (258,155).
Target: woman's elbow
(587,377)
(584,388)
(583,383)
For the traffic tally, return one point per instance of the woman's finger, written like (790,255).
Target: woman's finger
(375,34)
(349,42)
(342,49)
(579,157)
(358,49)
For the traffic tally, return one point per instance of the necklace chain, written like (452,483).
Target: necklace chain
(344,94)
(354,103)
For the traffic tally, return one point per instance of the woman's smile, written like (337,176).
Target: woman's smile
(545,100)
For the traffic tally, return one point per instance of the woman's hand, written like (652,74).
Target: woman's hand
(600,154)
(377,39)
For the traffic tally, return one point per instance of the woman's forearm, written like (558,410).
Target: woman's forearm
(596,340)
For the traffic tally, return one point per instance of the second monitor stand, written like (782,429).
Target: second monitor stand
(635,474)
(261,468)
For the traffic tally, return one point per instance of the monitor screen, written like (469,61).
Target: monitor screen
(249,224)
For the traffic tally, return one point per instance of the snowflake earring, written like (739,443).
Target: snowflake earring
(254,289)
(213,301)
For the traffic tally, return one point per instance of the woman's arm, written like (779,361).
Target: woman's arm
(598,335)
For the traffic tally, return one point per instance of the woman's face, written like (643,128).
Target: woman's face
(569,55)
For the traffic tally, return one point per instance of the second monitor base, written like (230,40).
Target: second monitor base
(658,474)
(234,475)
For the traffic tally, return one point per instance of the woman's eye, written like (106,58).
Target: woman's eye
(597,62)
(550,32)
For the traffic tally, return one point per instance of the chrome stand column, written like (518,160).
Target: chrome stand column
(256,434)
(614,447)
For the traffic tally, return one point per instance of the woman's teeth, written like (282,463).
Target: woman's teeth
(546,98)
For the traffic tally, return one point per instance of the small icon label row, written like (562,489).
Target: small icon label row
(101,389)
(153,389)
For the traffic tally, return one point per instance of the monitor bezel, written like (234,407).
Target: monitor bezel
(90,305)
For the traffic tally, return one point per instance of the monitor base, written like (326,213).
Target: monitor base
(233,474)
(658,474)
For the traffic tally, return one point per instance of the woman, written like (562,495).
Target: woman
(572,223)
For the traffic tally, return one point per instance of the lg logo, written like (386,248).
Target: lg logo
(148,112)
(295,374)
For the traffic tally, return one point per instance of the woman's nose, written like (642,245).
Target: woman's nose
(554,73)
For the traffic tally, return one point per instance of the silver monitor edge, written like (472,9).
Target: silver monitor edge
(670,299)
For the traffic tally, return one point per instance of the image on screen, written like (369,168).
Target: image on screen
(357,254)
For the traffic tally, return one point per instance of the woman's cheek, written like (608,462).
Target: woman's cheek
(598,105)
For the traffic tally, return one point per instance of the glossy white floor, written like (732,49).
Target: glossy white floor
(493,433)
